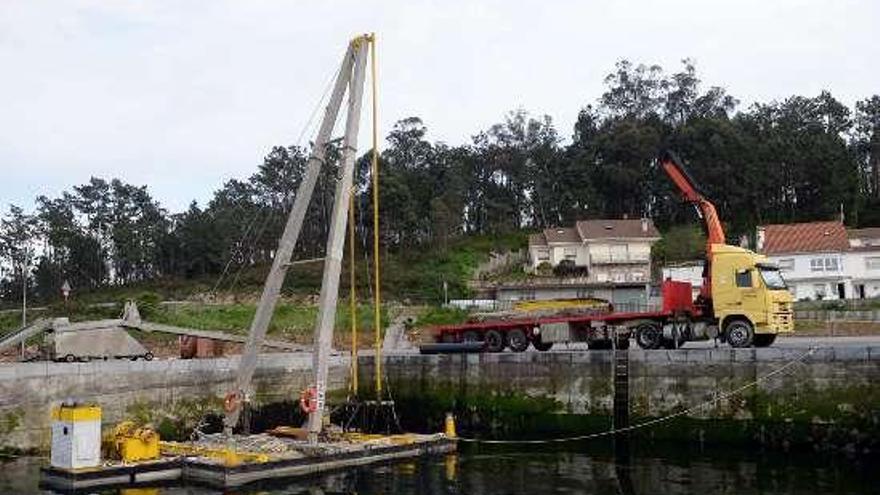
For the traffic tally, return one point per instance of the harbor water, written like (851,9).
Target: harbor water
(563,469)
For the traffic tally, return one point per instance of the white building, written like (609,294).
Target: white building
(611,251)
(864,262)
(819,260)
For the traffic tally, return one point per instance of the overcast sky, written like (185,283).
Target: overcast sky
(183,95)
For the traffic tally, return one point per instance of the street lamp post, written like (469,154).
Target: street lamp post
(24,265)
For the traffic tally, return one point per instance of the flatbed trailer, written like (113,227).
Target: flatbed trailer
(677,321)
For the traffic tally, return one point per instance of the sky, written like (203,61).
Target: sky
(183,95)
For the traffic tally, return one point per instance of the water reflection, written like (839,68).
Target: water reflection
(670,470)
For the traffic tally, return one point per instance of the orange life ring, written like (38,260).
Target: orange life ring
(308,400)
(230,403)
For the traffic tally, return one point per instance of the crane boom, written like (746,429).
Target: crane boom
(691,193)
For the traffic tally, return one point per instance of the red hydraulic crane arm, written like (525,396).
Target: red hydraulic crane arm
(692,194)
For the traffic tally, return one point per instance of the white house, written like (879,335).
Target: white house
(819,260)
(864,262)
(612,251)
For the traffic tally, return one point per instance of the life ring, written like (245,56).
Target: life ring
(230,403)
(308,400)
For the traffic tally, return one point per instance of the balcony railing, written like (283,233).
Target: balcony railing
(610,259)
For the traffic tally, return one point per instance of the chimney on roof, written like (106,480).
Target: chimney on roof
(644,224)
(759,239)
(842,216)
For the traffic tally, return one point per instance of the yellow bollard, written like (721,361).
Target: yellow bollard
(450,426)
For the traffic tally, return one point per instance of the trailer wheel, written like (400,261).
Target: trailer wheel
(649,336)
(470,336)
(739,333)
(517,340)
(70,358)
(148,356)
(764,339)
(494,341)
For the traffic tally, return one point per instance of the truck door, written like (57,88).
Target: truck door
(748,296)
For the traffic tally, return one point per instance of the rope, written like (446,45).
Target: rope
(652,422)
(377,294)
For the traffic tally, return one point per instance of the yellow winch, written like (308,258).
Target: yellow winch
(132,443)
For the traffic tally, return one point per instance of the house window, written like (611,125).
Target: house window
(817,264)
(543,255)
(819,290)
(786,265)
(637,276)
(831,264)
(570,253)
(744,278)
(872,263)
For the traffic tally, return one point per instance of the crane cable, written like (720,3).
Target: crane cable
(651,422)
(377,298)
(307,128)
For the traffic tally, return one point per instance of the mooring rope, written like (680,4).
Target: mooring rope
(652,422)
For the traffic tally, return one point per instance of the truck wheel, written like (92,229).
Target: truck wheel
(542,346)
(148,356)
(764,339)
(494,341)
(70,358)
(517,340)
(740,333)
(649,336)
(470,336)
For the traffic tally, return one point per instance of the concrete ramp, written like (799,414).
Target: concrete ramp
(16,337)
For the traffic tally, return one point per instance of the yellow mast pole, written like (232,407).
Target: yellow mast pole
(377,313)
(353,297)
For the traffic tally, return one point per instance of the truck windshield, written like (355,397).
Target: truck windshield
(772,278)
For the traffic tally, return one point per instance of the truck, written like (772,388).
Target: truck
(743,301)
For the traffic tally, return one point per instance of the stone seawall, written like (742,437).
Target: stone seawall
(835,390)
(177,390)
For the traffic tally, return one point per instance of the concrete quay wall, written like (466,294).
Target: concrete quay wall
(834,385)
(835,389)
(182,390)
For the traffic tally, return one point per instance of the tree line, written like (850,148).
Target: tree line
(799,159)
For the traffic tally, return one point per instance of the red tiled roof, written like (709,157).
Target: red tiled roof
(808,237)
(561,234)
(616,229)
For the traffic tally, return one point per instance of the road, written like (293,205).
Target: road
(781,343)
